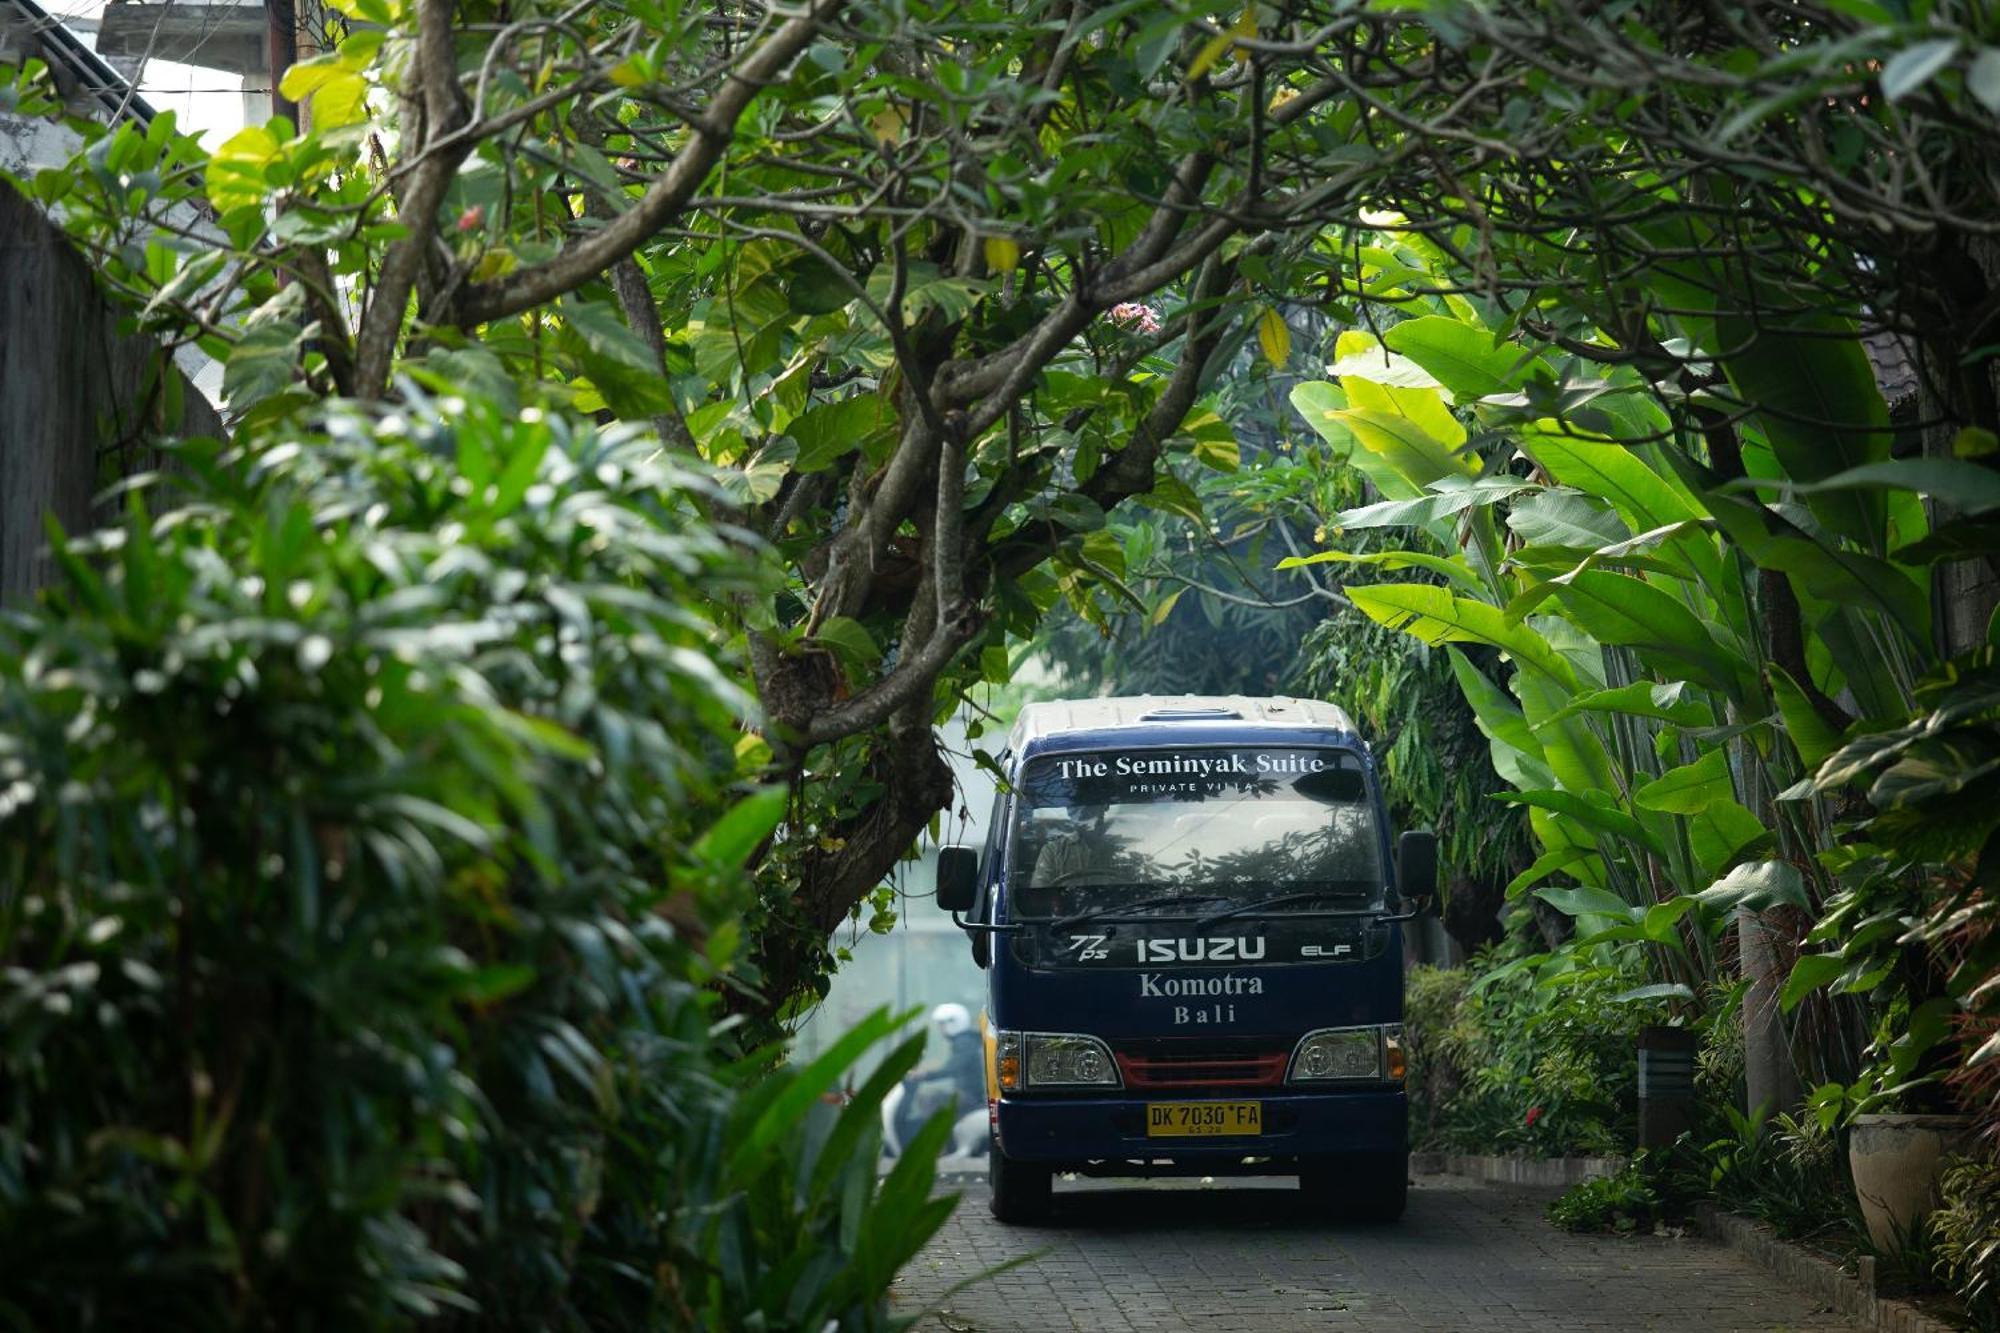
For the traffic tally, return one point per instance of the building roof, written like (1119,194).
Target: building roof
(1172,717)
(83,77)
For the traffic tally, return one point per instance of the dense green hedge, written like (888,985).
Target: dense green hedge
(369,837)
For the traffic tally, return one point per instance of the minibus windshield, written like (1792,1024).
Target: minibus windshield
(1204,826)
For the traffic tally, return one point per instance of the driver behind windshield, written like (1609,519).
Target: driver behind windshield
(1079,851)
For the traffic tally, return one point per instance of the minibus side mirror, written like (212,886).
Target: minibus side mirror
(957,878)
(1417,868)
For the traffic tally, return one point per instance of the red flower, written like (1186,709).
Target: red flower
(1534,1114)
(472,217)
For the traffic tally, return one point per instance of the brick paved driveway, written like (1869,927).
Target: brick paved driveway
(1241,1256)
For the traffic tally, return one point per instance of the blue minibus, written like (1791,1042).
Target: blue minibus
(1193,954)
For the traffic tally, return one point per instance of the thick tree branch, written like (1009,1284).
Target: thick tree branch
(587,256)
(433,88)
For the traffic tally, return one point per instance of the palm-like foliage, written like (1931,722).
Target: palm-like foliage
(365,818)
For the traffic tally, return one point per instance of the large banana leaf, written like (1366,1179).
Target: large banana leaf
(1817,404)
(1566,517)
(1620,610)
(1468,361)
(1829,573)
(1450,567)
(1518,755)
(1450,494)
(1722,832)
(1595,810)
(1644,498)
(1437,617)
(1405,445)
(1666,701)
(1691,788)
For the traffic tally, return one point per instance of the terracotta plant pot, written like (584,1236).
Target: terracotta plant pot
(1896,1160)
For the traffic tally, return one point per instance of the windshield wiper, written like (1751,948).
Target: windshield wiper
(1281,900)
(1163,900)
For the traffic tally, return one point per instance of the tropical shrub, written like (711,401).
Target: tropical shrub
(1507,1061)
(1965,1238)
(370,843)
(1623,1203)
(1787,1171)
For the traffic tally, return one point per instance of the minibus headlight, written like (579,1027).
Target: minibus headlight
(1007,1061)
(1336,1054)
(1059,1060)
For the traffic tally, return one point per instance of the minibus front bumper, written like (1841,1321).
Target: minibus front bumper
(1075,1130)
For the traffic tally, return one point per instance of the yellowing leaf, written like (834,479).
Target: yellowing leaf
(1217,46)
(1274,337)
(887,125)
(1002,254)
(236,173)
(631,72)
(330,89)
(1975,442)
(495,263)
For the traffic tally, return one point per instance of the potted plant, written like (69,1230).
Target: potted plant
(1897,936)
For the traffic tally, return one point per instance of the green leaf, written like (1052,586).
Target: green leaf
(1586,901)
(1319,404)
(1594,810)
(1548,863)
(1631,612)
(1496,714)
(263,362)
(1691,788)
(782,1116)
(1449,495)
(500,981)
(1468,361)
(1914,66)
(1415,455)
(1643,498)
(333,93)
(1798,379)
(1565,518)
(1809,973)
(830,431)
(851,642)
(1721,832)
(1756,885)
(1434,616)
(1452,568)
(1658,990)
(1809,733)
(1982,80)
(731,840)
(1643,699)
(1842,576)
(1967,487)
(617,361)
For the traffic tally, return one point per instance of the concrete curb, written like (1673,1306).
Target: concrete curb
(1817,1277)
(1536,1172)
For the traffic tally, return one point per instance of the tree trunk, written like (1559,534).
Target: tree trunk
(1770,1078)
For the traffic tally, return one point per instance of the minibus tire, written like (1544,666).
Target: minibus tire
(1369,1189)
(1020,1191)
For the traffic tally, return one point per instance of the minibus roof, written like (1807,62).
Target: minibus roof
(1178,719)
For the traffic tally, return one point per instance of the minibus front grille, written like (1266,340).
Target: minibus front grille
(1203,1069)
